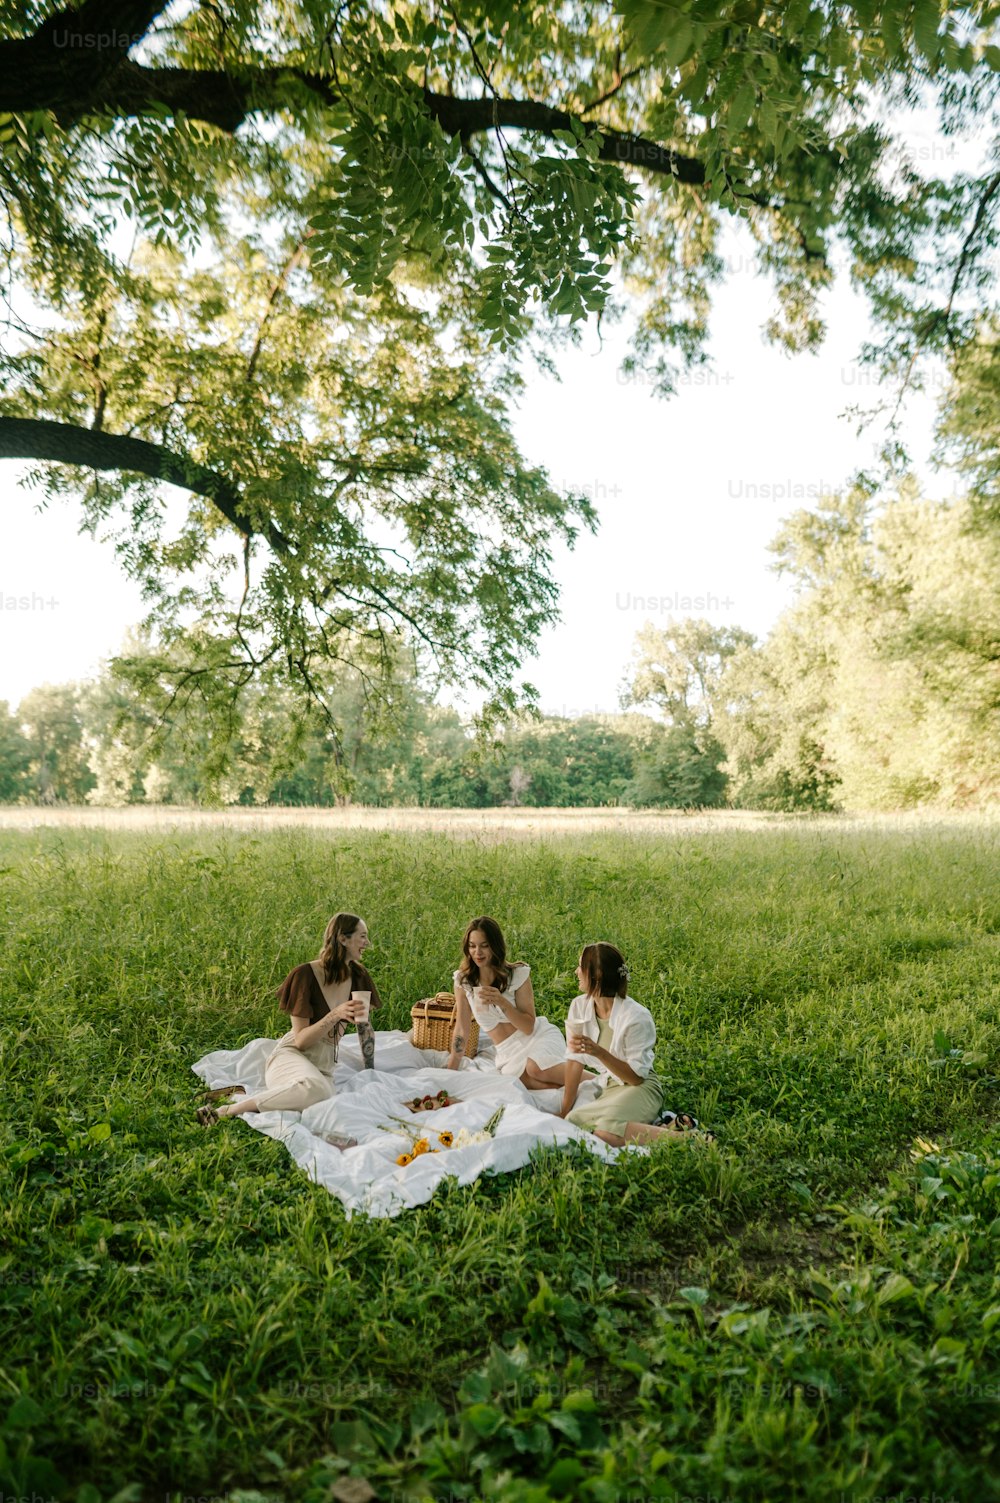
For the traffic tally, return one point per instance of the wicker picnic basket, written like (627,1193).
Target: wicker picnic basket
(434,1023)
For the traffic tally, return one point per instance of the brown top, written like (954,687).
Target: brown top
(301,994)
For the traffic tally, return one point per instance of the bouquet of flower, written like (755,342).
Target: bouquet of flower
(461,1139)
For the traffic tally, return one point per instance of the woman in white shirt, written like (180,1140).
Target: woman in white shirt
(499,995)
(614,1037)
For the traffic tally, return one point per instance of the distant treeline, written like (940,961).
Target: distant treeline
(62,746)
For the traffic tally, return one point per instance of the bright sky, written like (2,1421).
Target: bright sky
(689,491)
(692,490)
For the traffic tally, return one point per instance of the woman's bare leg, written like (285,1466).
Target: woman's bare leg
(646,1132)
(543,1080)
(639,1132)
(208,1116)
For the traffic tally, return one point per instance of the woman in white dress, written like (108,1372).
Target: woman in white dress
(499,995)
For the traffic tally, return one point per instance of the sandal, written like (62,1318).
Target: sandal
(207,1116)
(221,1092)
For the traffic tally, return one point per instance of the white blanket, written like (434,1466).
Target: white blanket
(367,1178)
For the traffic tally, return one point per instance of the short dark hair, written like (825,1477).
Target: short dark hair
(605,973)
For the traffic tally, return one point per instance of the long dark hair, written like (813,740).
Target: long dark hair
(605,973)
(468,971)
(336,966)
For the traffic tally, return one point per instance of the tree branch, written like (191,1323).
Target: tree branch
(943,315)
(71,60)
(61,68)
(278,287)
(65,443)
(620,80)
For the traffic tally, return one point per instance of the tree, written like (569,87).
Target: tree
(383,491)
(680,771)
(15,757)
(773,720)
(880,686)
(678,668)
(967,431)
(58,769)
(379,196)
(757,113)
(918,686)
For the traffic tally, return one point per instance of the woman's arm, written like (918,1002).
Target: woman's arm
(520,1012)
(619,1067)
(306,1034)
(460,1036)
(571,1087)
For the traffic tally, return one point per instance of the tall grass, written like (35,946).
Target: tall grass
(803,1312)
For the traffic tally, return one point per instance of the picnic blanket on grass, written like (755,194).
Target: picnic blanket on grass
(367,1178)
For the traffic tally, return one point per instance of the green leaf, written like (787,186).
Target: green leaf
(926,19)
(485,1419)
(567,1424)
(896,1287)
(742,106)
(678,42)
(563,1475)
(24,1413)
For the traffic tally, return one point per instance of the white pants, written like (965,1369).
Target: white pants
(293,1082)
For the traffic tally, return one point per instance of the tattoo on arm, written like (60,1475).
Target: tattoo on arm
(458,1044)
(366,1038)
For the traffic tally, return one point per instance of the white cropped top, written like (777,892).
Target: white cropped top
(489,1018)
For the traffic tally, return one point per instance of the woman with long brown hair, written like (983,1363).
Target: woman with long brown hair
(321,997)
(499,995)
(614,1037)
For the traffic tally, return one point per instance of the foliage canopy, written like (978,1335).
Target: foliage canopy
(286,258)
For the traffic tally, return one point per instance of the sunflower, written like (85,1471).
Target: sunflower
(405,1158)
(420,1146)
(445,1139)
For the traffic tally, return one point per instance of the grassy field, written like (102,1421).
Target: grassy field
(809,1310)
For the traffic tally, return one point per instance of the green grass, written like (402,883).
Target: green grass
(808,1311)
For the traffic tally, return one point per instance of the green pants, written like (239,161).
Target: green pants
(619,1104)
